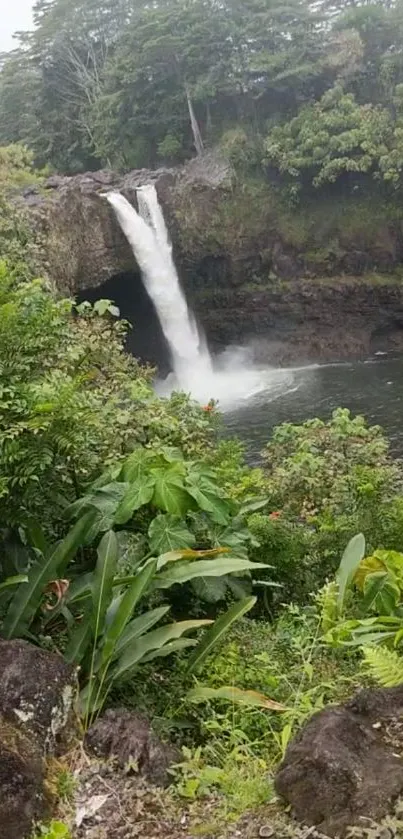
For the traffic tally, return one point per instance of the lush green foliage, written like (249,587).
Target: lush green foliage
(325,482)
(72,401)
(334,136)
(133,85)
(314,93)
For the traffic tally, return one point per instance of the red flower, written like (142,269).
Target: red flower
(207,407)
(275,515)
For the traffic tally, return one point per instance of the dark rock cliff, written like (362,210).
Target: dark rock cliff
(306,288)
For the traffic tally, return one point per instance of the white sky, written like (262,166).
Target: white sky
(14,15)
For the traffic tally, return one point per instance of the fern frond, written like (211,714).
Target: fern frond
(385,666)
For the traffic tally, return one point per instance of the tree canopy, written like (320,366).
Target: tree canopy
(126,85)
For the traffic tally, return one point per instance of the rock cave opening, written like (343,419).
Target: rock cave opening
(387,338)
(145,339)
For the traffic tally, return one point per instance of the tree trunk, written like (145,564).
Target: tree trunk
(197,137)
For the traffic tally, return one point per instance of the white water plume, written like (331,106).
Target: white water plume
(231,378)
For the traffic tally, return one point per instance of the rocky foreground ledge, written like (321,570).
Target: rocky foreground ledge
(344,768)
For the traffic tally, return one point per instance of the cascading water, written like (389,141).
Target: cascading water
(148,237)
(232,378)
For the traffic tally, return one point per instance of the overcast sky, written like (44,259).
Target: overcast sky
(14,15)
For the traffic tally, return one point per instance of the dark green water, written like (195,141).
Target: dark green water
(373,388)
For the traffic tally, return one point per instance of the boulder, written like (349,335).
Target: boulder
(346,764)
(22,772)
(37,719)
(37,693)
(129,739)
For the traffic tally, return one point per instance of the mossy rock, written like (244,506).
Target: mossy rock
(37,694)
(22,771)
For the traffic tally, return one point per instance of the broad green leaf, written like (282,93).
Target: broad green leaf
(14,581)
(210,503)
(368,565)
(210,589)
(182,572)
(125,611)
(188,553)
(350,561)
(153,641)
(139,626)
(102,580)
(233,694)
(25,602)
(110,475)
(105,499)
(168,533)
(77,508)
(219,628)
(170,493)
(171,454)
(139,493)
(381,592)
(208,495)
(137,464)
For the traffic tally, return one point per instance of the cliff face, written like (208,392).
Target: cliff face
(301,287)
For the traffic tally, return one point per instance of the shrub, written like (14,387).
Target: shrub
(73,401)
(325,482)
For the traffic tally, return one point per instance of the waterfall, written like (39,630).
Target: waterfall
(148,236)
(233,378)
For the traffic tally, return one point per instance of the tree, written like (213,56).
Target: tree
(333,137)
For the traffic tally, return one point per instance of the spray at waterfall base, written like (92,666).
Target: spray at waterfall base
(231,378)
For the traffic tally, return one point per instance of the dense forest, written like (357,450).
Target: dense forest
(311,91)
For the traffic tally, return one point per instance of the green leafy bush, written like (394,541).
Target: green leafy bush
(73,402)
(334,136)
(326,481)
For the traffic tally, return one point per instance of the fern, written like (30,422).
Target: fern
(385,666)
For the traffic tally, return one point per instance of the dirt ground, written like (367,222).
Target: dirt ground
(110,803)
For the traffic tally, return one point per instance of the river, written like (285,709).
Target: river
(373,388)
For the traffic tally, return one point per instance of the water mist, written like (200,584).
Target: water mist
(231,378)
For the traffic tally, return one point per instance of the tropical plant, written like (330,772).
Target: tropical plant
(364,586)
(110,644)
(169,503)
(103,636)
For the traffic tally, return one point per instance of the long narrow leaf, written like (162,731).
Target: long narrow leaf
(153,641)
(26,601)
(220,626)
(350,561)
(139,626)
(102,582)
(79,642)
(168,649)
(233,694)
(79,589)
(14,581)
(125,610)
